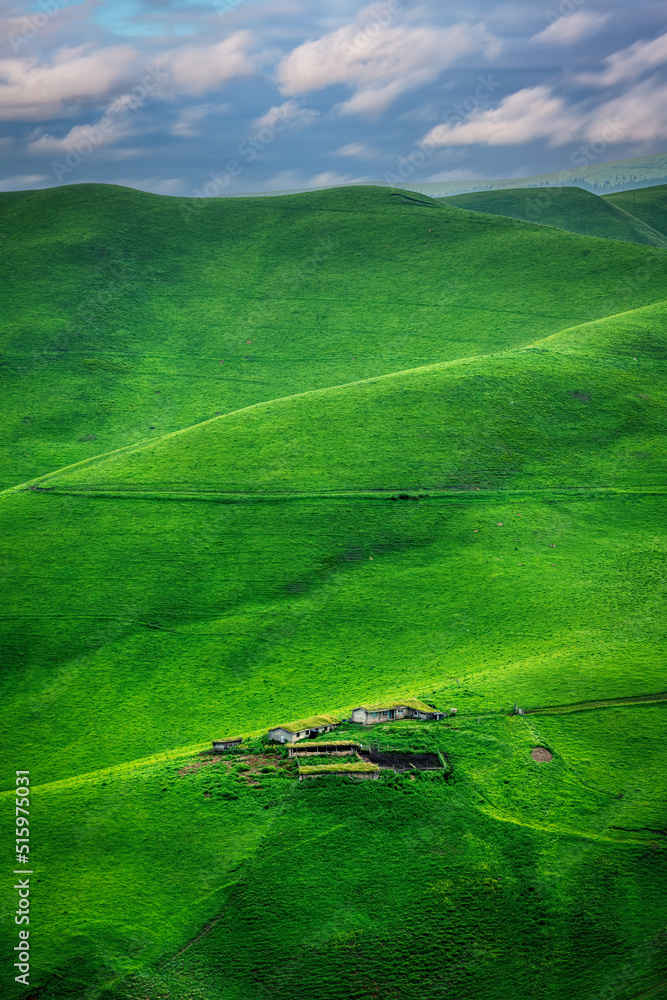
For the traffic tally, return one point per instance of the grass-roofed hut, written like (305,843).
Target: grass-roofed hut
(290,732)
(385,711)
(325,748)
(359,770)
(229,743)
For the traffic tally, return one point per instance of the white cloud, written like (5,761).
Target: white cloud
(639,115)
(378,59)
(329,178)
(30,91)
(531,113)
(197,69)
(571,28)
(289,112)
(629,64)
(115,124)
(357,149)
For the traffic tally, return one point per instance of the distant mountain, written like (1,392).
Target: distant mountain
(570,208)
(600,178)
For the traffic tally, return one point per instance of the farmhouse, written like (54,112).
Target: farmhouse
(290,732)
(408,708)
(229,744)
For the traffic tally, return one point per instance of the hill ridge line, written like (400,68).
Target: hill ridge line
(591,322)
(140,445)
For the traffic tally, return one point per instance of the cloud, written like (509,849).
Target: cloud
(639,115)
(288,111)
(357,149)
(30,91)
(571,28)
(83,139)
(189,118)
(378,59)
(198,69)
(629,64)
(329,178)
(34,91)
(40,23)
(531,113)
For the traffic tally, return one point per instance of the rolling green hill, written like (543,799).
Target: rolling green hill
(569,208)
(647,205)
(541,417)
(445,481)
(129,315)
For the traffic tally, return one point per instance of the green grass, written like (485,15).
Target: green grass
(506,855)
(569,208)
(646,204)
(233,616)
(574,409)
(118,312)
(446,485)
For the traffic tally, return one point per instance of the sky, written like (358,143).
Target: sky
(231,96)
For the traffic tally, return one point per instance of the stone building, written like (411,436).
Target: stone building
(290,732)
(407,708)
(232,743)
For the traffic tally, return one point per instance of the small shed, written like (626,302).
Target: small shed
(291,732)
(407,708)
(232,743)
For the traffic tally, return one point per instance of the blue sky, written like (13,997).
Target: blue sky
(230,96)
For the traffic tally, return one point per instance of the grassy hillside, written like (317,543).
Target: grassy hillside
(546,416)
(130,315)
(144,625)
(460,498)
(569,208)
(232,895)
(647,205)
